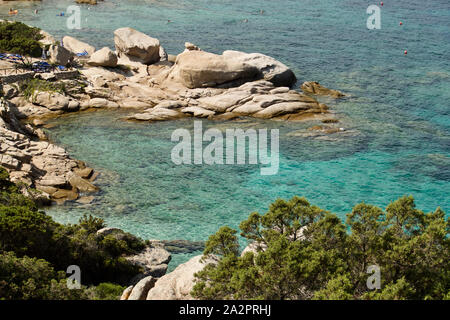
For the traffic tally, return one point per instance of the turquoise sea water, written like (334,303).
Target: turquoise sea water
(398,107)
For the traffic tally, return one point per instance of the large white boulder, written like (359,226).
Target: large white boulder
(60,55)
(140,290)
(136,45)
(76,46)
(104,57)
(51,100)
(196,69)
(177,285)
(270,69)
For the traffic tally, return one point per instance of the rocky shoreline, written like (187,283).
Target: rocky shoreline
(155,86)
(139,75)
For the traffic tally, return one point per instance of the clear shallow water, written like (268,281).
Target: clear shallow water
(399,105)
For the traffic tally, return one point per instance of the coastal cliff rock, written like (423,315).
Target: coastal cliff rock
(104,57)
(136,45)
(177,285)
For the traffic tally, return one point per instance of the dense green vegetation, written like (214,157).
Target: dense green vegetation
(35,252)
(17,37)
(310,253)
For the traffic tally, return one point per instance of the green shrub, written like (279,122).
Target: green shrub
(17,37)
(32,278)
(30,86)
(27,231)
(91,224)
(328,259)
(108,291)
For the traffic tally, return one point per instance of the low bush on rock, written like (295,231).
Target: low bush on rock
(30,86)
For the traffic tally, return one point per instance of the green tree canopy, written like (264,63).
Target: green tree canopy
(303,252)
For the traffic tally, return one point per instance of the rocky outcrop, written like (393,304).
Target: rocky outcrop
(194,84)
(191,47)
(178,284)
(47,38)
(180,246)
(54,101)
(154,261)
(140,290)
(60,55)
(136,46)
(157,114)
(126,293)
(316,88)
(107,231)
(163,56)
(269,69)
(76,46)
(104,57)
(259,99)
(38,164)
(199,69)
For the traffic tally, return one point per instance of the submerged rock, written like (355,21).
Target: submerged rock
(157,114)
(316,88)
